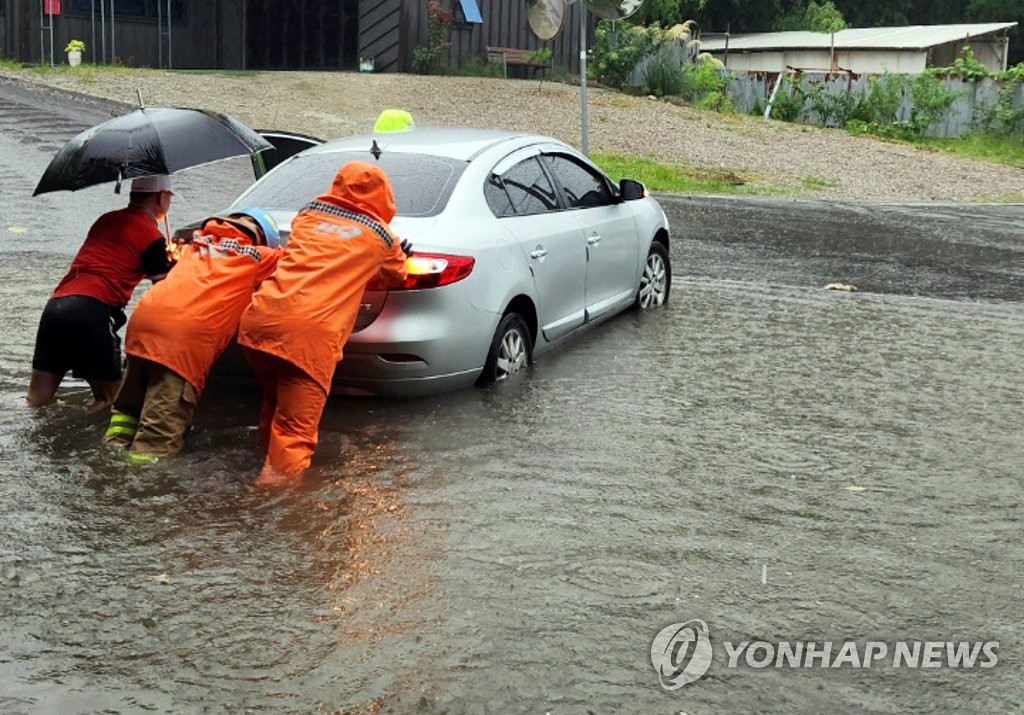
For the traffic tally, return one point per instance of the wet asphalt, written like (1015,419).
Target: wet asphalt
(781,461)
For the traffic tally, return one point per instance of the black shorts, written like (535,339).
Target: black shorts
(79,334)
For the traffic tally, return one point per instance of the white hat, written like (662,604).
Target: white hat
(152,184)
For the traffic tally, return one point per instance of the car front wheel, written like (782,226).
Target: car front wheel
(656,279)
(511,350)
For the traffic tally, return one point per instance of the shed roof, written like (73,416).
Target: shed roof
(913,37)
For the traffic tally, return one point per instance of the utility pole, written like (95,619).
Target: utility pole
(584,112)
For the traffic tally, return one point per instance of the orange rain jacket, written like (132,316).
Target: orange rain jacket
(186,320)
(305,312)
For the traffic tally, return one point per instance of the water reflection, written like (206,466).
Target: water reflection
(517,548)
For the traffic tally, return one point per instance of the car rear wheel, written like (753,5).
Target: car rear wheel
(511,350)
(656,279)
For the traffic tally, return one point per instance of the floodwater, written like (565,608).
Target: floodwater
(780,461)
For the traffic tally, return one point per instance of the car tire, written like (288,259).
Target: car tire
(511,350)
(655,280)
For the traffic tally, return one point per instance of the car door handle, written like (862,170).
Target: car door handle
(594,239)
(539,253)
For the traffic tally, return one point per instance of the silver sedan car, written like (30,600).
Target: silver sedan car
(520,243)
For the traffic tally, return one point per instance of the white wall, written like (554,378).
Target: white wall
(857,61)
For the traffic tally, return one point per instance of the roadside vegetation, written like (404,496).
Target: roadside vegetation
(667,178)
(667,63)
(1000,148)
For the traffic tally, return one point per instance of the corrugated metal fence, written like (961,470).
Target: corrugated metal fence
(973,106)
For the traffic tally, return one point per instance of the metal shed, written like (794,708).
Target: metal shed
(902,50)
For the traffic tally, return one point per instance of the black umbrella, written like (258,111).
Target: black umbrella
(147,142)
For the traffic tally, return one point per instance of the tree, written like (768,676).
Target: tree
(667,12)
(814,17)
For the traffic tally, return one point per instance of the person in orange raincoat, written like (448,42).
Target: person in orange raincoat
(182,325)
(301,316)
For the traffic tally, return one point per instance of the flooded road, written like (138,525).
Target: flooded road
(780,461)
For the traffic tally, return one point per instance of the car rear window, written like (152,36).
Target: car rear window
(422,184)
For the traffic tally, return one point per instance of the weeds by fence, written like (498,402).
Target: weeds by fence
(889,105)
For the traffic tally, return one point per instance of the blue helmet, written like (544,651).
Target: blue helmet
(266,222)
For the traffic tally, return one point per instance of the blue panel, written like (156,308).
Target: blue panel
(471,11)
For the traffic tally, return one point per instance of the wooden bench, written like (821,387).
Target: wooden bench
(517,57)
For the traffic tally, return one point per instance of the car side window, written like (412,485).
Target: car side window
(497,197)
(584,188)
(529,188)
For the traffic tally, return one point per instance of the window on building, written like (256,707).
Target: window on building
(470,11)
(146,10)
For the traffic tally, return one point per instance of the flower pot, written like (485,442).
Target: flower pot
(74,58)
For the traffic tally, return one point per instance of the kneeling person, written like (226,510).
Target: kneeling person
(182,325)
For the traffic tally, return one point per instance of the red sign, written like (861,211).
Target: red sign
(51,7)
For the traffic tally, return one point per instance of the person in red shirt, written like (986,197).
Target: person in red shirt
(182,325)
(302,315)
(78,327)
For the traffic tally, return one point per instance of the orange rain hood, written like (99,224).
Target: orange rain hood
(364,188)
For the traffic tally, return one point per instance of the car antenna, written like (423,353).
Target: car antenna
(138,91)
(375,150)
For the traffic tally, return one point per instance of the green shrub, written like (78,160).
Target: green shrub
(663,76)
(432,56)
(705,82)
(789,101)
(833,109)
(1013,75)
(618,47)
(541,56)
(476,67)
(965,67)
(880,105)
(932,102)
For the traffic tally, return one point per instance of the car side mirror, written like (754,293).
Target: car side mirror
(631,190)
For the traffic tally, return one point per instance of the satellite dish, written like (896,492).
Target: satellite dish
(614,9)
(545,17)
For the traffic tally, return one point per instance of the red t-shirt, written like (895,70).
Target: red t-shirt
(122,248)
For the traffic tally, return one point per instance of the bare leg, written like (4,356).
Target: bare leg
(103,393)
(42,387)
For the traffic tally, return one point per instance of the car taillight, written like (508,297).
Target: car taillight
(429,270)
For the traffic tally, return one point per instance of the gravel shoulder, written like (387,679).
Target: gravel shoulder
(804,162)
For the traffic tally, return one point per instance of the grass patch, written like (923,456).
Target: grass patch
(1006,198)
(999,148)
(219,73)
(678,179)
(816,182)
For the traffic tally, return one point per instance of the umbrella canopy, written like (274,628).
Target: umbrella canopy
(146,142)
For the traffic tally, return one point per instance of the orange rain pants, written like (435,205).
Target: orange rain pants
(303,314)
(289,416)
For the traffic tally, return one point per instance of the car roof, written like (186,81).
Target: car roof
(459,143)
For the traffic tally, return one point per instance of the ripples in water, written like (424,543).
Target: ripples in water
(517,548)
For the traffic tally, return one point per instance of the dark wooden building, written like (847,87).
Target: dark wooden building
(267,34)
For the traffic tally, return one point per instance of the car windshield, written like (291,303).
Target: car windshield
(422,184)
